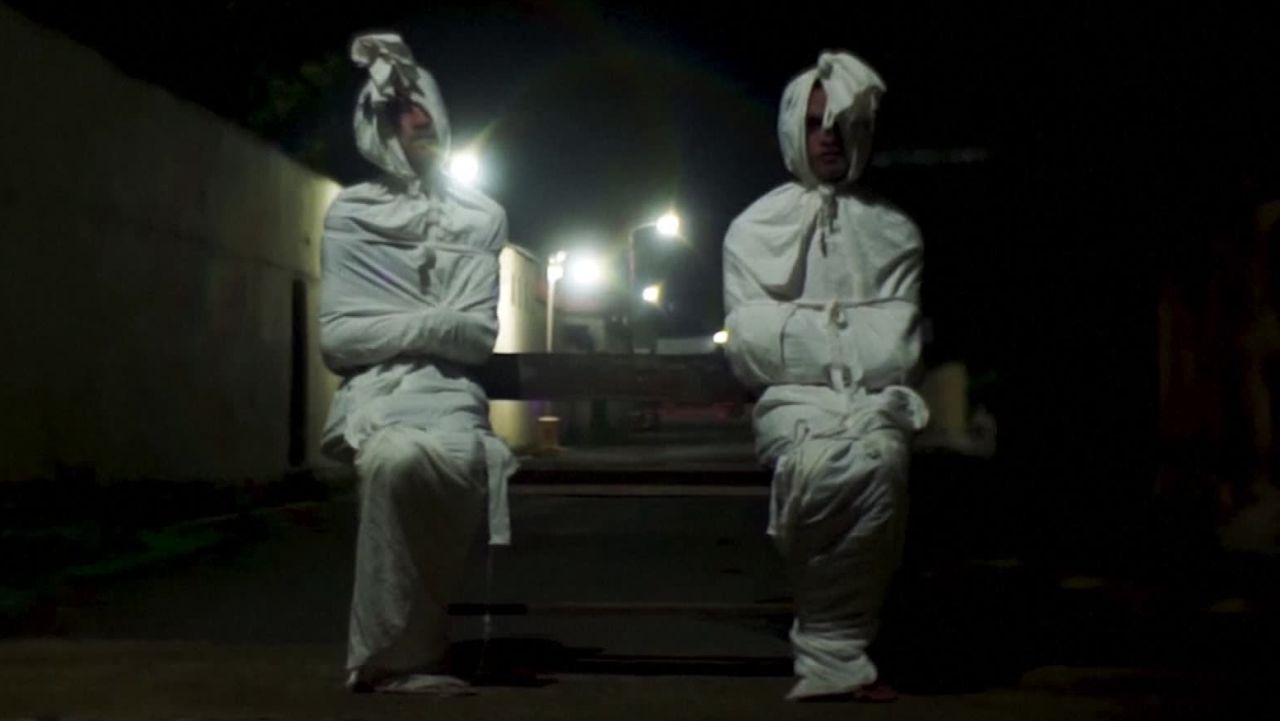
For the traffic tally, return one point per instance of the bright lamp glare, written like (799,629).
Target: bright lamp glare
(586,270)
(652,294)
(669,225)
(721,337)
(465,168)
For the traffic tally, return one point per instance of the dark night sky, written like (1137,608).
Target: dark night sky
(1111,138)
(592,116)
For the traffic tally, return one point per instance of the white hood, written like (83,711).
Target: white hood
(776,231)
(403,206)
(390,63)
(853,94)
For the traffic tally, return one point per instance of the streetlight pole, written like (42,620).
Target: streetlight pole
(551,312)
(555,271)
(548,422)
(668,226)
(631,285)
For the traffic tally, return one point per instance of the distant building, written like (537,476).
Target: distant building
(522,324)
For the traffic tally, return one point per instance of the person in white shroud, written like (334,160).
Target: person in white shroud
(409,302)
(822,291)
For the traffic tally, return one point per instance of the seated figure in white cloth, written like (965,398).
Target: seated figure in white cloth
(822,288)
(409,302)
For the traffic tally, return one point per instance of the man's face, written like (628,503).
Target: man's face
(416,131)
(827,156)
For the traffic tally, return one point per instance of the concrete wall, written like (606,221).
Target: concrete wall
(148,259)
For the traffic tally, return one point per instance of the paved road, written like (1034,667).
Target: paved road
(255,629)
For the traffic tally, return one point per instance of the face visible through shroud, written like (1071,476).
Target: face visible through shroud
(416,131)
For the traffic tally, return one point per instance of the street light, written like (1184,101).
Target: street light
(464,167)
(669,225)
(581,268)
(721,337)
(548,423)
(586,270)
(652,293)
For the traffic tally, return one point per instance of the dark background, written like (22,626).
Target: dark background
(1112,142)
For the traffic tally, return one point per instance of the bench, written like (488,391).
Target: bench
(682,379)
(581,376)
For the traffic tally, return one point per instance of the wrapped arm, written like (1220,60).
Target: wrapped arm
(365,317)
(754,324)
(780,342)
(351,340)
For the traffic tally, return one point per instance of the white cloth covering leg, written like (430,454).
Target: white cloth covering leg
(422,499)
(841,540)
